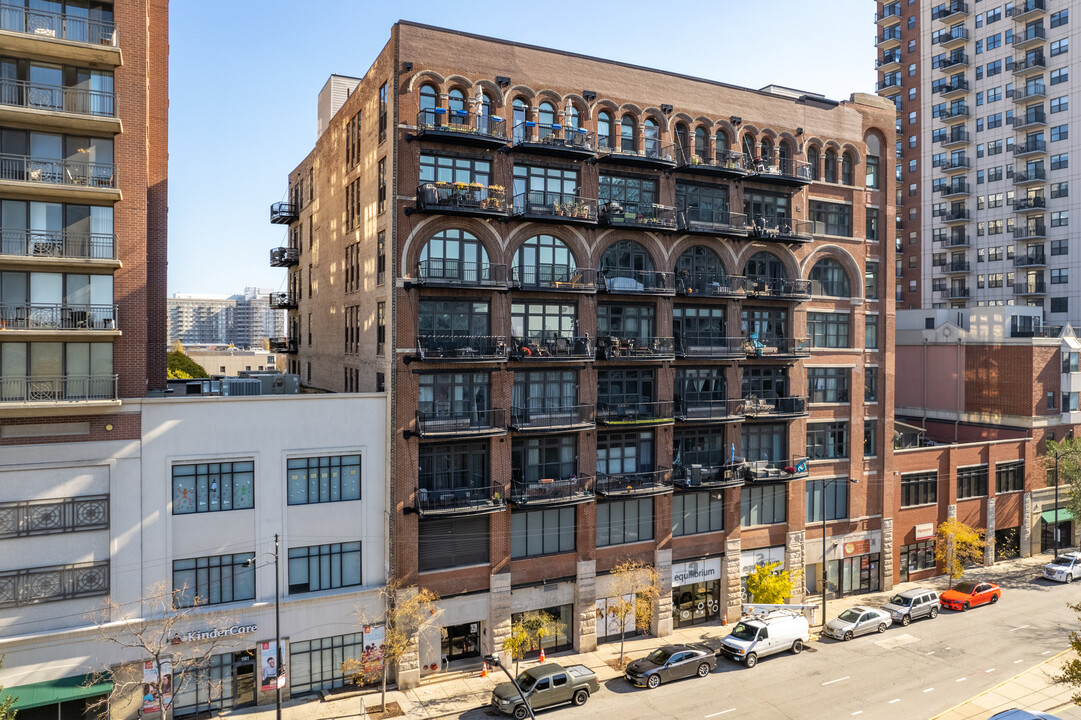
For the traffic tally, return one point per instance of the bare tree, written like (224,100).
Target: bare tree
(162,637)
(636,586)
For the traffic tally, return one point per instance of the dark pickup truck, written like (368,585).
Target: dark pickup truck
(544,686)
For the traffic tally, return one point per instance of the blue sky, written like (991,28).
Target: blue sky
(233,142)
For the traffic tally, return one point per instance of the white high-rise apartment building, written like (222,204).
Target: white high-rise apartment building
(982,90)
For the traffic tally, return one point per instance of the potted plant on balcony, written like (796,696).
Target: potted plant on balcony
(496,192)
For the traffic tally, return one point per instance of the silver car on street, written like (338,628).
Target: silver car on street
(858,621)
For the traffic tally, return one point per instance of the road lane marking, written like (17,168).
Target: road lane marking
(928,689)
(1046,652)
(960,679)
(1017,661)
(858,712)
(1020,628)
(931,653)
(989,670)
(830,682)
(891,702)
(722,712)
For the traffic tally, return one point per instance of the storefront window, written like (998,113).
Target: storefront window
(561,639)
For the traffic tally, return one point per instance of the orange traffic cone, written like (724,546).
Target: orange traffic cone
(484,669)
(724,619)
(542,655)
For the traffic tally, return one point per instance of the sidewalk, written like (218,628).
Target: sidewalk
(1030,690)
(458,694)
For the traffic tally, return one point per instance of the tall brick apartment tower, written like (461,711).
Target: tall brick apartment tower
(620,313)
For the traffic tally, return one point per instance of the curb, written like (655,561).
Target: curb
(996,687)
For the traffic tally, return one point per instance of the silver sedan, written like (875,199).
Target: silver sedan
(858,621)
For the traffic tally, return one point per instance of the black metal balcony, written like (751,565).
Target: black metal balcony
(959,113)
(636,282)
(1033,231)
(956,164)
(957,240)
(712,222)
(48,316)
(57,244)
(782,229)
(287,345)
(1030,65)
(776,347)
(555,278)
(630,412)
(284,213)
(462,199)
(636,348)
(467,494)
(28,518)
(890,85)
(553,492)
(1030,204)
(1029,37)
(958,266)
(284,257)
(462,348)
(554,139)
(283,300)
(954,293)
(708,411)
(53,98)
(890,15)
(551,347)
(1026,9)
(755,407)
(1029,176)
(788,172)
(1030,257)
(889,38)
(653,153)
(646,482)
(58,388)
(959,215)
(648,216)
(954,61)
(555,207)
(708,345)
(950,11)
(952,39)
(794,289)
(711,285)
(1031,91)
(1030,287)
(443,272)
(959,136)
(459,418)
(45,25)
(954,89)
(889,61)
(69,173)
(726,163)
(771,471)
(461,127)
(541,415)
(707,471)
(955,189)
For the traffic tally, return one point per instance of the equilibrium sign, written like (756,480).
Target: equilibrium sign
(196,635)
(696,571)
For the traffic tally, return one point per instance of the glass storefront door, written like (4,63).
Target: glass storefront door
(1047,535)
(461,641)
(696,603)
(244,672)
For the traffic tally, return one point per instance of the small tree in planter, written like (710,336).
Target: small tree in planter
(528,633)
(636,587)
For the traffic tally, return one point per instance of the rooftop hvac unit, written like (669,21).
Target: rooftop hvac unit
(241,387)
(278,383)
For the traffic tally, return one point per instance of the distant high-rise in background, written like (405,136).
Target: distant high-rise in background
(244,320)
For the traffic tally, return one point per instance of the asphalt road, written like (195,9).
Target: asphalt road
(903,674)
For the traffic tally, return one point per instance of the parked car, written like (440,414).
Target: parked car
(1066,567)
(545,685)
(964,595)
(671,662)
(858,621)
(757,637)
(1016,714)
(912,605)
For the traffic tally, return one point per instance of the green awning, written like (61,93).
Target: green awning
(57,691)
(1048,516)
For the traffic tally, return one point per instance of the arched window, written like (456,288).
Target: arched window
(829,170)
(653,138)
(521,114)
(764,266)
(874,149)
(847,169)
(484,113)
(454,256)
(812,160)
(831,278)
(627,267)
(784,158)
(681,140)
(546,117)
(543,261)
(626,135)
(722,141)
(456,107)
(604,130)
(748,146)
(699,271)
(767,151)
(428,103)
(701,143)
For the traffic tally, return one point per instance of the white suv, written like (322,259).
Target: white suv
(1064,568)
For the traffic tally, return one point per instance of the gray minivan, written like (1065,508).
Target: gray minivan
(912,605)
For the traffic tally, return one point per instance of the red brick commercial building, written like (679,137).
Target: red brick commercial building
(620,313)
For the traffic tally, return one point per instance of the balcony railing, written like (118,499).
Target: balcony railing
(1036,202)
(958,163)
(284,213)
(711,285)
(957,86)
(707,470)
(1030,287)
(1027,65)
(952,38)
(708,345)
(36,96)
(891,85)
(462,348)
(1032,91)
(889,14)
(959,266)
(554,138)
(1035,231)
(726,162)
(556,278)
(23,168)
(956,240)
(1019,328)
(54,516)
(954,61)
(773,407)
(1029,36)
(57,244)
(786,171)
(646,482)
(954,189)
(58,388)
(890,36)
(713,222)
(653,153)
(756,347)
(552,491)
(552,347)
(956,215)
(51,583)
(783,229)
(466,495)
(561,207)
(444,123)
(887,59)
(954,293)
(1030,258)
(464,198)
(636,348)
(1026,8)
(779,287)
(1031,175)
(775,470)
(956,113)
(541,414)
(438,272)
(459,417)
(43,316)
(949,10)
(633,412)
(638,215)
(637,282)
(283,300)
(284,257)
(959,137)
(59,26)
(708,411)
(288,345)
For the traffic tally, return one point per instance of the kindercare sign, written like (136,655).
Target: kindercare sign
(196,635)
(696,571)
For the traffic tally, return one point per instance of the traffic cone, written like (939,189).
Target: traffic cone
(724,619)
(542,655)
(484,669)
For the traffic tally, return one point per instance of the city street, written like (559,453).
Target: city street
(905,673)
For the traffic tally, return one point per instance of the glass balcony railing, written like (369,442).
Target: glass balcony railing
(555,277)
(1029,175)
(552,347)
(58,26)
(22,168)
(636,348)
(58,388)
(1030,287)
(629,411)
(35,96)
(453,418)
(1035,231)
(643,482)
(1030,258)
(458,493)
(458,273)
(462,348)
(57,244)
(708,345)
(695,410)
(553,491)
(543,414)
(636,282)
(46,316)
(560,207)
(710,284)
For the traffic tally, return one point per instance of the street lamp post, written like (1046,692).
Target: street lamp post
(493,660)
(825,565)
(277,629)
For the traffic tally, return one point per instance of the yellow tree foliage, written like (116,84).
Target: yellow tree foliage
(636,587)
(958,545)
(528,632)
(769,585)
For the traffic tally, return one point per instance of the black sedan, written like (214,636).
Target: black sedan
(671,662)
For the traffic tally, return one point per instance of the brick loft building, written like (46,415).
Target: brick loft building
(620,313)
